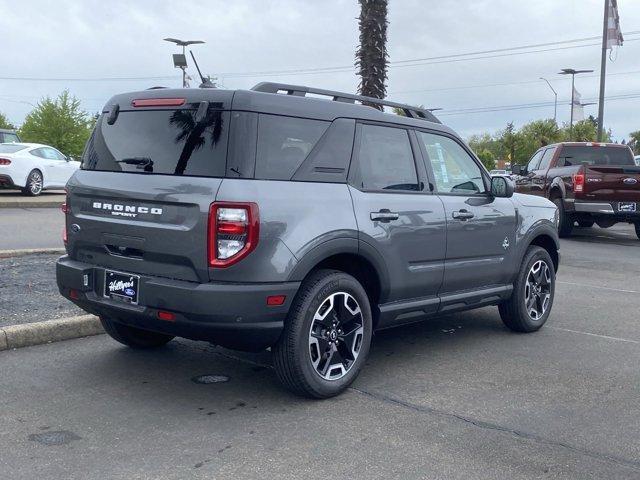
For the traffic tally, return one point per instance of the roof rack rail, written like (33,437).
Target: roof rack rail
(301,91)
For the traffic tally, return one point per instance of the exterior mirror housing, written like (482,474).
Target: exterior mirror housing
(502,187)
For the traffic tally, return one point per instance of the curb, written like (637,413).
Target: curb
(29,251)
(29,334)
(48,204)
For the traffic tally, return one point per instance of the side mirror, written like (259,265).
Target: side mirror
(518,169)
(502,187)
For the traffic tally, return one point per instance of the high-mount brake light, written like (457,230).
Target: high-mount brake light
(5,161)
(233,232)
(158,102)
(578,182)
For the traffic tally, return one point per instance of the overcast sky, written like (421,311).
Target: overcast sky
(91,45)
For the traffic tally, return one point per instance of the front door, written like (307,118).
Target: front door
(480,227)
(398,218)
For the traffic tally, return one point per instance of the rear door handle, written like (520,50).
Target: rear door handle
(462,215)
(384,215)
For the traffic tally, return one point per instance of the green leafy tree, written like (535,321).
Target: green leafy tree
(487,158)
(371,55)
(634,143)
(4,122)
(58,122)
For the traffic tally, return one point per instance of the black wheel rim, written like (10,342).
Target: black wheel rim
(35,183)
(537,290)
(335,336)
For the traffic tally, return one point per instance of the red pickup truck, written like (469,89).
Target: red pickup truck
(589,182)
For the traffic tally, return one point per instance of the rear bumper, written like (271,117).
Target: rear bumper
(609,210)
(228,314)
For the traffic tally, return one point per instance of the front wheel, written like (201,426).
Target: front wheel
(326,337)
(34,184)
(134,337)
(530,304)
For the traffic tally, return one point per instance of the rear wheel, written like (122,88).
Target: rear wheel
(34,184)
(528,308)
(565,226)
(586,223)
(134,337)
(326,337)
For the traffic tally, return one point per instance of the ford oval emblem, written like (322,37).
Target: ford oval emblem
(630,181)
(75,228)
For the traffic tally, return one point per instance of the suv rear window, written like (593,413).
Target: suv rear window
(284,143)
(595,156)
(169,142)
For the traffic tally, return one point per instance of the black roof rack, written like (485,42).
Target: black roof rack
(301,91)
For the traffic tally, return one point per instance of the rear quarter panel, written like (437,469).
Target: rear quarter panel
(298,221)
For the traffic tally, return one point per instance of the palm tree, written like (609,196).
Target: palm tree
(371,55)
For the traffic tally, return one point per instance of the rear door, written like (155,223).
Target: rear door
(141,201)
(397,216)
(480,227)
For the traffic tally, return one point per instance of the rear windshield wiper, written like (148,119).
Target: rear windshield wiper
(140,162)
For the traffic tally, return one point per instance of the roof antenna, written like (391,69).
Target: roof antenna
(206,82)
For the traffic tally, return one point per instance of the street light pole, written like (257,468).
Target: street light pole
(603,69)
(573,72)
(181,61)
(555,104)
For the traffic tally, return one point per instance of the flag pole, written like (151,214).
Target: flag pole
(603,69)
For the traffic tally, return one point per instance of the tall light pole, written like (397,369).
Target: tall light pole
(555,104)
(573,72)
(180,60)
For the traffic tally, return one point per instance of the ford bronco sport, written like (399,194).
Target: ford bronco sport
(273,219)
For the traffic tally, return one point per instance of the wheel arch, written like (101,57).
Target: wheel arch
(547,242)
(557,189)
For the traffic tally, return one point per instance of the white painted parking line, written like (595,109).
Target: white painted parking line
(606,337)
(598,286)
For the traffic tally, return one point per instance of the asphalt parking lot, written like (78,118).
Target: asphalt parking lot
(458,398)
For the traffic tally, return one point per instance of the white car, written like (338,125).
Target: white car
(637,157)
(32,167)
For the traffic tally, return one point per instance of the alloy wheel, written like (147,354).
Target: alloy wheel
(35,183)
(537,290)
(335,336)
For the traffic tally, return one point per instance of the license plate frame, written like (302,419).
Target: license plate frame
(627,207)
(129,289)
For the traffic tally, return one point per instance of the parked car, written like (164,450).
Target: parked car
(9,136)
(32,167)
(256,219)
(589,183)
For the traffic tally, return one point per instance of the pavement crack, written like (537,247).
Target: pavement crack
(634,464)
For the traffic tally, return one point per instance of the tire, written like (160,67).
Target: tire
(134,337)
(300,357)
(586,223)
(637,225)
(515,312)
(566,221)
(35,181)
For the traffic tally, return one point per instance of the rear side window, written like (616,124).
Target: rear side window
(284,143)
(595,155)
(169,142)
(385,160)
(546,158)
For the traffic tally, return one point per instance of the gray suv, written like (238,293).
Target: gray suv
(273,218)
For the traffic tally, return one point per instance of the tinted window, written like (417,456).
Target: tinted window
(595,156)
(171,142)
(546,159)
(385,159)
(535,160)
(455,171)
(9,137)
(284,143)
(10,148)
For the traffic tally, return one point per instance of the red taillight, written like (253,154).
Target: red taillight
(166,316)
(274,300)
(578,182)
(158,102)
(5,161)
(74,294)
(233,232)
